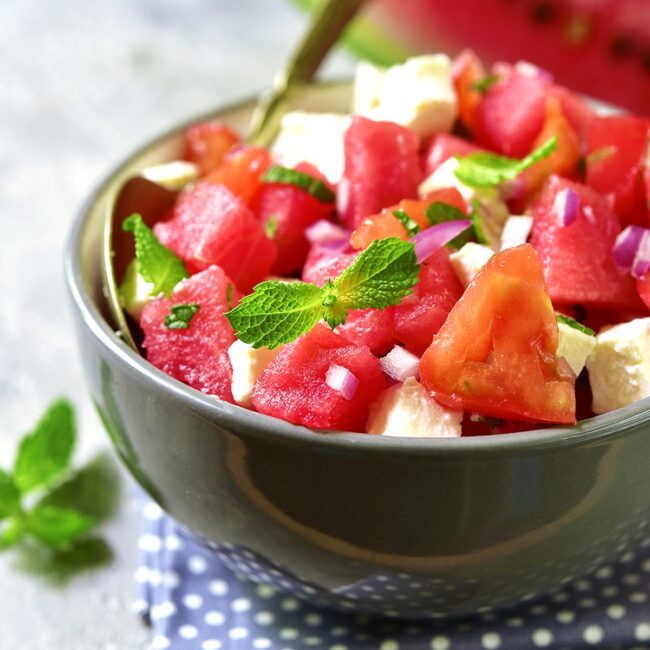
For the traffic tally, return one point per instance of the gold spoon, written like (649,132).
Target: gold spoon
(149,196)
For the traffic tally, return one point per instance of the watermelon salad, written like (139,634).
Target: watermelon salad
(466,253)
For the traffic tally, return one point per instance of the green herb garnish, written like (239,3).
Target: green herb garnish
(156,263)
(313,186)
(482,169)
(410,226)
(42,470)
(483,85)
(440,212)
(567,320)
(279,312)
(180,316)
(271,226)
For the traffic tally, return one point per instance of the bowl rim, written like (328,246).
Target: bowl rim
(597,429)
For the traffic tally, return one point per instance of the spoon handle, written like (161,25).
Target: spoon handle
(325,27)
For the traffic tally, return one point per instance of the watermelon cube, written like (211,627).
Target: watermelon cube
(197,355)
(443,147)
(577,259)
(207,143)
(294,386)
(325,262)
(210,225)
(382,167)
(419,316)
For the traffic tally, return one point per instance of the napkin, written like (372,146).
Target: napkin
(193,601)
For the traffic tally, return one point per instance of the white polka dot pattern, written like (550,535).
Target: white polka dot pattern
(197,599)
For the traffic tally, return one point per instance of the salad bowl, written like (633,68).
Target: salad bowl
(402,527)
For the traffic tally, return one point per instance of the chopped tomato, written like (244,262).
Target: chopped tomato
(496,352)
(241,172)
(448,195)
(467,72)
(207,143)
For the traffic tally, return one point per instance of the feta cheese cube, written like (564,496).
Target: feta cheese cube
(316,138)
(575,346)
(418,94)
(619,365)
(173,176)
(248,363)
(469,260)
(407,410)
(135,292)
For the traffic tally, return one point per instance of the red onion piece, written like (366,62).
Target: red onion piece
(641,263)
(324,231)
(342,380)
(516,231)
(400,364)
(428,241)
(627,245)
(566,206)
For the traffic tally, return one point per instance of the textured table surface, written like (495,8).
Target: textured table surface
(81,84)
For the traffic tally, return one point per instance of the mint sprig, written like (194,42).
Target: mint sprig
(483,169)
(311,185)
(410,226)
(155,262)
(279,312)
(39,498)
(180,316)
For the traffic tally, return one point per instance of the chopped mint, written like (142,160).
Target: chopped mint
(279,312)
(271,226)
(180,316)
(567,320)
(483,169)
(477,223)
(313,186)
(156,263)
(483,85)
(411,226)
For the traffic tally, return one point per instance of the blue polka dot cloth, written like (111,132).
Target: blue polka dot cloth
(194,601)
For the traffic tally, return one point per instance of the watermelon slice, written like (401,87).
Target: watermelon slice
(577,259)
(210,225)
(294,386)
(207,143)
(197,355)
(443,147)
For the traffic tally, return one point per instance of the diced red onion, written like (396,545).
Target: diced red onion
(516,231)
(324,231)
(428,241)
(627,245)
(566,206)
(641,263)
(531,70)
(400,364)
(342,380)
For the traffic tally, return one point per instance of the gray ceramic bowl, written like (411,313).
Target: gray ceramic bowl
(395,526)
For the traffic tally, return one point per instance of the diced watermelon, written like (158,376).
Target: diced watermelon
(577,259)
(421,315)
(443,147)
(207,143)
(382,167)
(373,328)
(293,387)
(325,262)
(210,225)
(197,355)
(617,147)
(286,210)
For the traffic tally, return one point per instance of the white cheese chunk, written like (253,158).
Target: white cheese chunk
(173,175)
(407,410)
(248,364)
(135,292)
(418,94)
(575,346)
(516,231)
(316,138)
(469,260)
(619,365)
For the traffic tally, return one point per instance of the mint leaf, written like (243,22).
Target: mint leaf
(483,169)
(486,83)
(57,526)
(567,320)
(410,226)
(440,212)
(276,313)
(156,263)
(180,316)
(379,277)
(9,496)
(271,226)
(44,453)
(11,532)
(313,186)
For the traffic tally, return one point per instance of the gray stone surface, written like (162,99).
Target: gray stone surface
(81,84)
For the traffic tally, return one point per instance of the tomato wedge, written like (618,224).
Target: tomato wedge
(496,352)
